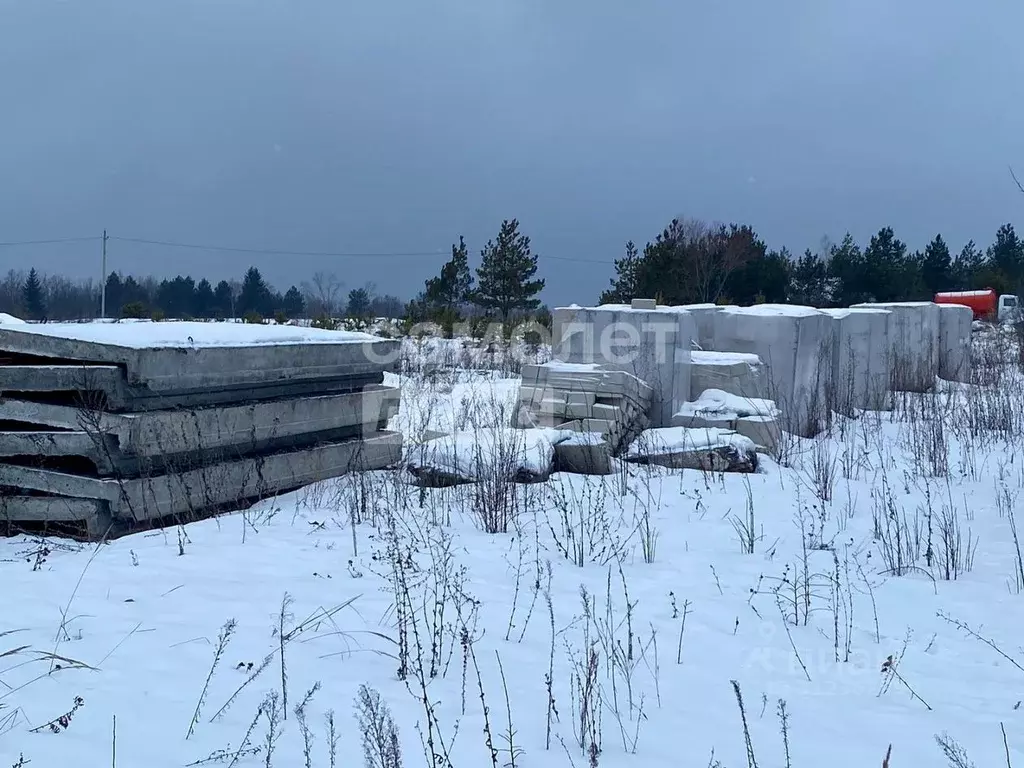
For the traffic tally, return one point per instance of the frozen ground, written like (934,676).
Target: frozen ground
(607,619)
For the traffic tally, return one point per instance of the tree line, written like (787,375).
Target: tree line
(33,296)
(690,261)
(693,262)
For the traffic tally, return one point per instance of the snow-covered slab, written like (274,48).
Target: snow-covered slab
(6,319)
(201,357)
(718,402)
(526,455)
(794,343)
(188,335)
(861,368)
(710,449)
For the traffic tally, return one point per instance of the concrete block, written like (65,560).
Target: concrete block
(914,337)
(644,304)
(861,365)
(584,456)
(955,323)
(763,431)
(709,450)
(794,343)
(704,318)
(738,373)
(704,420)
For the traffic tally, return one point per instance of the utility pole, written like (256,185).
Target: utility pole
(103,286)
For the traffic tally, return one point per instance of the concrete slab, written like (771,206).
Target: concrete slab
(247,428)
(955,323)
(181,357)
(861,368)
(914,337)
(585,454)
(794,343)
(201,490)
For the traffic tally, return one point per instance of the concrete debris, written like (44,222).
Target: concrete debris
(709,450)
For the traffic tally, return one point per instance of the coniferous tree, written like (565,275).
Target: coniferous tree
(936,266)
(358,303)
(625,283)
(32,296)
(293,304)
(255,296)
(809,283)
(203,303)
(223,300)
(966,269)
(884,266)
(506,276)
(451,289)
(846,269)
(1006,259)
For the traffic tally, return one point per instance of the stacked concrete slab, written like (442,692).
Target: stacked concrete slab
(737,373)
(955,322)
(584,397)
(649,342)
(110,425)
(914,344)
(860,374)
(794,343)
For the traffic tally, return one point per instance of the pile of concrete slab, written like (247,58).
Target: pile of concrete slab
(111,425)
(586,398)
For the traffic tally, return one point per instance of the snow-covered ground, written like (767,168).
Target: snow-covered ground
(869,594)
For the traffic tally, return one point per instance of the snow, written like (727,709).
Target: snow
(773,310)
(6,319)
(131,626)
(847,311)
(664,440)
(150,335)
(723,358)
(963,294)
(727,404)
(478,454)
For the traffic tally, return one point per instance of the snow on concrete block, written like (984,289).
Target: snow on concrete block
(711,450)
(644,304)
(526,455)
(914,337)
(861,348)
(735,372)
(955,323)
(794,344)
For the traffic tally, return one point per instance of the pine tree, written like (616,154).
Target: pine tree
(205,302)
(846,270)
(625,283)
(885,266)
(451,289)
(506,273)
(1006,257)
(358,303)
(255,296)
(936,266)
(32,296)
(967,267)
(223,300)
(809,284)
(293,304)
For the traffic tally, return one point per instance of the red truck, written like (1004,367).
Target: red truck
(986,305)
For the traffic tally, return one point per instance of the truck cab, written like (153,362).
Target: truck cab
(1009,309)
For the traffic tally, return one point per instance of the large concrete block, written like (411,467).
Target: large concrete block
(794,343)
(737,373)
(861,365)
(651,344)
(704,318)
(914,335)
(955,323)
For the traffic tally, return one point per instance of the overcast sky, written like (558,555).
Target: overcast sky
(395,125)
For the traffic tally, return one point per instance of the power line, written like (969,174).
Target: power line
(268,251)
(11,244)
(273,251)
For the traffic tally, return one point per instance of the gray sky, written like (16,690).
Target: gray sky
(394,126)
